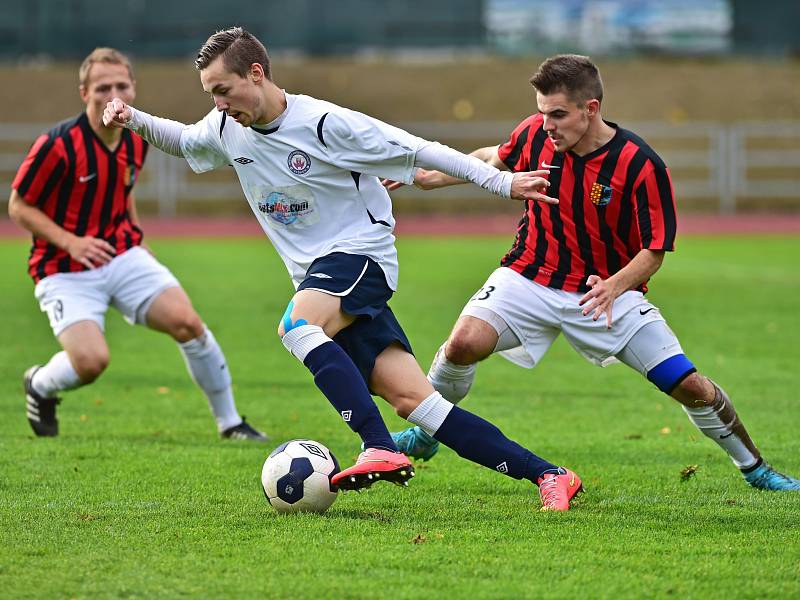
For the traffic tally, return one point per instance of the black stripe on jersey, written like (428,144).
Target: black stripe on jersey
(519,242)
(64,195)
(643,216)
(540,250)
(108,197)
(356,178)
(376,221)
(91,187)
(564,254)
(222,124)
(513,158)
(667,207)
(607,168)
(536,150)
(33,170)
(319,131)
(581,234)
(626,210)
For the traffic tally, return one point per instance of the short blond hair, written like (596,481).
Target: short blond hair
(103,55)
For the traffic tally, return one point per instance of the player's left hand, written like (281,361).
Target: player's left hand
(600,299)
(531,186)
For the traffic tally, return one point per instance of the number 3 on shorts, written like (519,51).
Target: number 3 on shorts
(483,293)
(56,311)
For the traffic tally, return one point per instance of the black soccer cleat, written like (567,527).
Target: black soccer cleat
(41,412)
(244,431)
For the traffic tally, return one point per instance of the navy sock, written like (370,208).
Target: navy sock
(478,440)
(338,378)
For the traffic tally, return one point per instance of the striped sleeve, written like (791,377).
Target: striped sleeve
(513,153)
(41,171)
(655,208)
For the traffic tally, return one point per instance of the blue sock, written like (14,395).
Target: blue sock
(338,378)
(478,440)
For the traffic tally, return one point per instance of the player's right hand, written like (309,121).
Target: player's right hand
(424,180)
(91,252)
(116,113)
(531,186)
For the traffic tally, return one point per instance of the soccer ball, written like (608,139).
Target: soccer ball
(296,477)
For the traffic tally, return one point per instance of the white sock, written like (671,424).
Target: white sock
(720,422)
(449,379)
(431,413)
(208,369)
(58,375)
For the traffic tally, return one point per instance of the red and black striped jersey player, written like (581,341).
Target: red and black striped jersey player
(580,267)
(74,193)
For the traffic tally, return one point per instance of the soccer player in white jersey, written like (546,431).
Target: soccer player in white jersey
(311,172)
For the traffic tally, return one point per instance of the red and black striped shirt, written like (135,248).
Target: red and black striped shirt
(613,202)
(72,176)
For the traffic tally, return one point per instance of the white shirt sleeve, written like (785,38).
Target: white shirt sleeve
(435,156)
(357,142)
(201,143)
(164,134)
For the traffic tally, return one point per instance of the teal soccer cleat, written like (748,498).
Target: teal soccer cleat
(764,477)
(416,443)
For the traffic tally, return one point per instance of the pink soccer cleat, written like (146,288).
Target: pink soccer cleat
(557,489)
(373,465)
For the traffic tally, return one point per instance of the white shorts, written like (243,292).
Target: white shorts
(130,282)
(537,314)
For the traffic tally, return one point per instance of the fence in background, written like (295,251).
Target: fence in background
(723,168)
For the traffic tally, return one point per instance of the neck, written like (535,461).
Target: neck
(598,134)
(110,136)
(274,103)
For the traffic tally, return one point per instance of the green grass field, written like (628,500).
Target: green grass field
(139,498)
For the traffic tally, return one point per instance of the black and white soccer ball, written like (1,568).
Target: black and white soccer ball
(296,477)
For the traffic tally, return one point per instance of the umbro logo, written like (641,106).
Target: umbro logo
(320,275)
(243,160)
(346,414)
(312,449)
(502,467)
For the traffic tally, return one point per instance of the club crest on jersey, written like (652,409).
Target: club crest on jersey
(600,194)
(282,209)
(299,162)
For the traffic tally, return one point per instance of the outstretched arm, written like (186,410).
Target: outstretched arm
(460,169)
(520,186)
(164,134)
(91,252)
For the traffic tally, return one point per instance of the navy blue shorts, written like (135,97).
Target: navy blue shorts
(361,284)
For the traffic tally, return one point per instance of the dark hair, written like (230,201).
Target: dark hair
(239,50)
(575,75)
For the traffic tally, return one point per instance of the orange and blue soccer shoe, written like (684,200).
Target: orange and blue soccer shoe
(375,464)
(557,488)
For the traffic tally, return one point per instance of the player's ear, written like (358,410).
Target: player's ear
(592,107)
(256,72)
(84,93)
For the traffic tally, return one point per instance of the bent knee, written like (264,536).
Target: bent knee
(465,348)
(89,365)
(185,326)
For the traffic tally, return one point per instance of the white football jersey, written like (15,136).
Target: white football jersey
(312,178)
